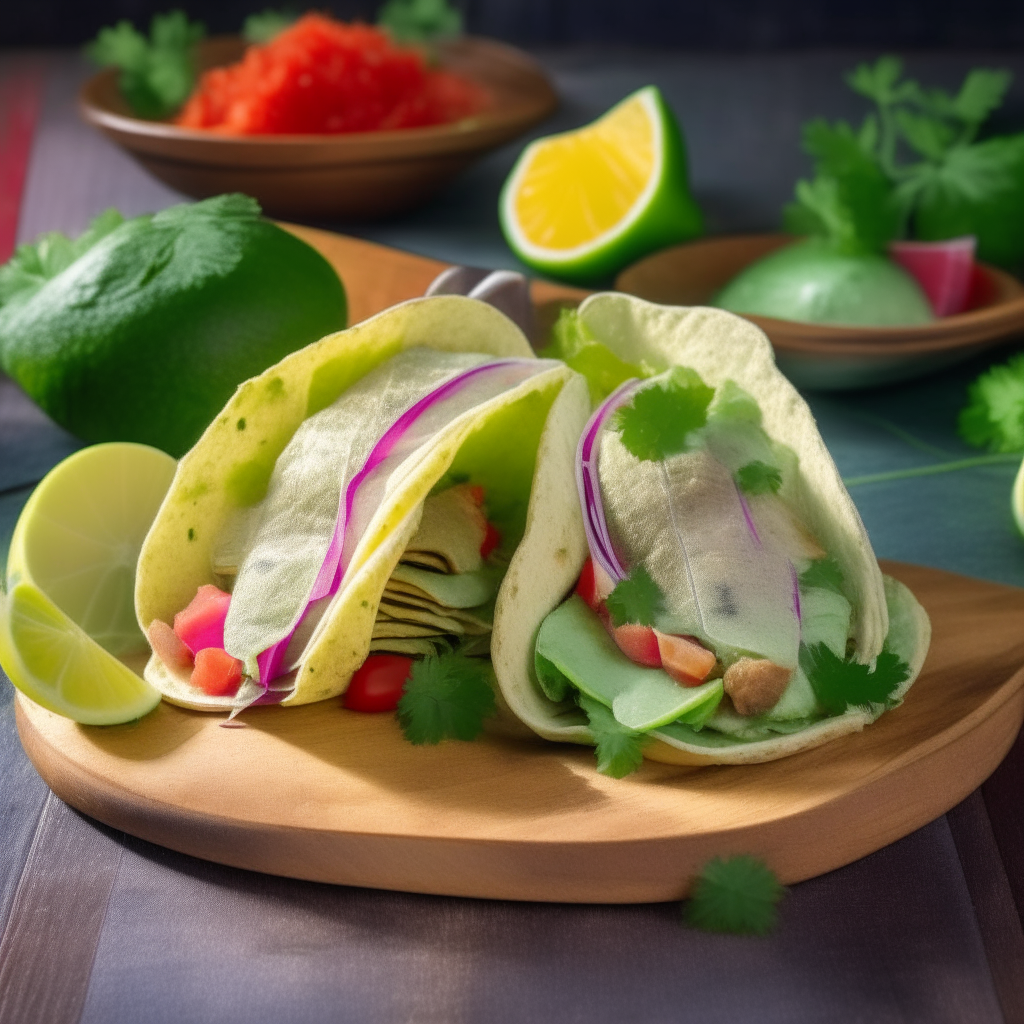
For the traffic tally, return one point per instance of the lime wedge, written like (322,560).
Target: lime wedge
(582,204)
(1017,499)
(69,612)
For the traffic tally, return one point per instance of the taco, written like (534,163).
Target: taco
(728,607)
(363,496)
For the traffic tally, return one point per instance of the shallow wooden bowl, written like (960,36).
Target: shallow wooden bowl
(826,356)
(358,176)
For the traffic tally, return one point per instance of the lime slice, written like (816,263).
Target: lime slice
(1017,499)
(69,612)
(583,204)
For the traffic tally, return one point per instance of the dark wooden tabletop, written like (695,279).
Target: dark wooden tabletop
(96,926)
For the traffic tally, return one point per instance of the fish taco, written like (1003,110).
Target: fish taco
(725,605)
(359,500)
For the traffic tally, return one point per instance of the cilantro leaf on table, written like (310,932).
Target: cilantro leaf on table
(157,74)
(825,573)
(619,750)
(261,28)
(994,415)
(411,21)
(35,263)
(446,697)
(655,424)
(636,599)
(758,478)
(735,894)
(840,684)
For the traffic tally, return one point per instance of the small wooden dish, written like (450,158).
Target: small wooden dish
(827,356)
(360,176)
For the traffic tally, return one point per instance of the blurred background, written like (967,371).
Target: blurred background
(687,24)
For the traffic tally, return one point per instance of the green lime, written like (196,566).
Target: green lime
(146,334)
(1017,499)
(582,204)
(69,612)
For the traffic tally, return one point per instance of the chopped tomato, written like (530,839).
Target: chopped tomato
(201,624)
(167,646)
(594,585)
(638,643)
(491,541)
(476,492)
(217,673)
(685,659)
(378,683)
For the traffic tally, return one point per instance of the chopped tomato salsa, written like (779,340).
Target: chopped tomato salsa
(322,76)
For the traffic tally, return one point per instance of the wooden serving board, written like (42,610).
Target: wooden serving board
(322,793)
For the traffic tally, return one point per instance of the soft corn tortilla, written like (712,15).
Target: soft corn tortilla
(719,346)
(494,444)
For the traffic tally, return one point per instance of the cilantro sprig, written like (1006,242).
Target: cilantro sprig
(994,415)
(447,697)
(657,423)
(636,599)
(415,21)
(825,573)
(758,478)
(737,894)
(840,684)
(157,74)
(915,166)
(619,750)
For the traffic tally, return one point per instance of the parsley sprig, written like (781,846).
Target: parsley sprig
(759,478)
(656,424)
(157,74)
(636,599)
(619,750)
(840,684)
(915,166)
(735,894)
(994,415)
(446,697)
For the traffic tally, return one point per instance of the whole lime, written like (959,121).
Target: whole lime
(145,335)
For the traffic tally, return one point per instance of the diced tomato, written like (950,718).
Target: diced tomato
(593,585)
(942,269)
(167,646)
(378,683)
(638,643)
(476,492)
(491,541)
(217,673)
(684,659)
(201,624)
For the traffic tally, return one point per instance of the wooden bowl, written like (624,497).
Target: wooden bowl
(828,356)
(359,176)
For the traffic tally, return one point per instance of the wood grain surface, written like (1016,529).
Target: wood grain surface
(322,793)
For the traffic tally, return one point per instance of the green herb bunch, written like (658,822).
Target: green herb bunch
(157,74)
(915,167)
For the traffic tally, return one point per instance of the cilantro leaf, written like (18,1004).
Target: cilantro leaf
(262,27)
(758,478)
(576,346)
(735,894)
(656,423)
(981,93)
(33,264)
(636,599)
(157,74)
(994,415)
(446,697)
(619,750)
(824,573)
(841,684)
(879,81)
(419,20)
(851,201)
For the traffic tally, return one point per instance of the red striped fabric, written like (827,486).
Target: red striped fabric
(21,90)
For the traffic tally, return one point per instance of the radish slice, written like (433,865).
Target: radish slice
(942,269)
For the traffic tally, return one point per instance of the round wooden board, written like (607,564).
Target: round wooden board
(321,793)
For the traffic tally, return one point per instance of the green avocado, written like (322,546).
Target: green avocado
(812,281)
(147,333)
